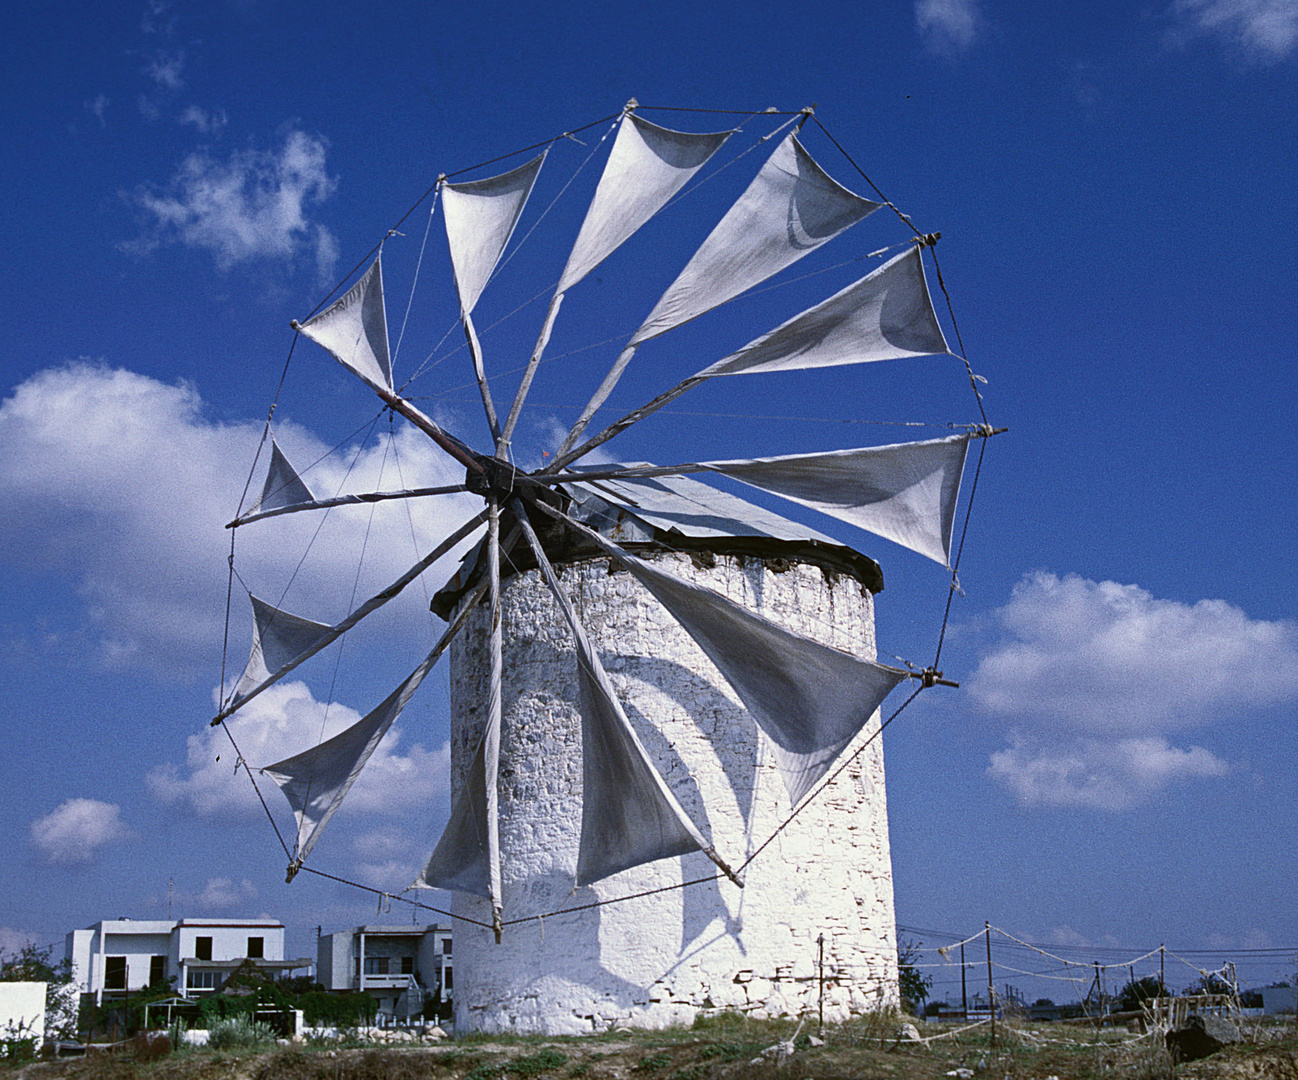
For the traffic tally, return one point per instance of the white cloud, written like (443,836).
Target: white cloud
(76,829)
(252,205)
(285,720)
(98,107)
(208,122)
(385,856)
(222,894)
(948,25)
(166,68)
(1265,29)
(122,483)
(1096,675)
(1097,773)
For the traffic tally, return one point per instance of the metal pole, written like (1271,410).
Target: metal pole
(991,989)
(821,942)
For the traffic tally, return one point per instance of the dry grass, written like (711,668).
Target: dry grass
(726,1047)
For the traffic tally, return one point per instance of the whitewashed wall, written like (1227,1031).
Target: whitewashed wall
(22,1010)
(659,960)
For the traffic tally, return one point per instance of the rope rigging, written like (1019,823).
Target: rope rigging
(482,475)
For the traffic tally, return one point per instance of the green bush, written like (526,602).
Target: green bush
(239,1033)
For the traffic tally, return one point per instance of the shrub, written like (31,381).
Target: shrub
(239,1033)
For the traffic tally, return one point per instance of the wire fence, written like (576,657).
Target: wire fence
(963,973)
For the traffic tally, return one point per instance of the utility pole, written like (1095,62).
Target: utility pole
(964,992)
(991,988)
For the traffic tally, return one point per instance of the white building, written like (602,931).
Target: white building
(399,966)
(660,943)
(117,956)
(22,1011)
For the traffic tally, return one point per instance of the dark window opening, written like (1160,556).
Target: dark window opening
(447,982)
(446,946)
(157,970)
(256,948)
(114,973)
(202,948)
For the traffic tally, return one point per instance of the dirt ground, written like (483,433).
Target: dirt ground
(738,1050)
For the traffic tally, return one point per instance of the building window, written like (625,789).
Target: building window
(376,965)
(202,948)
(447,982)
(204,979)
(407,965)
(256,948)
(114,973)
(446,946)
(157,970)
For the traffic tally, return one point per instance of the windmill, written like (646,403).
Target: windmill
(583,796)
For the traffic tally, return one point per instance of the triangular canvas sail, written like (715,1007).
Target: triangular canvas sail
(628,814)
(480,218)
(647,166)
(791,208)
(355,329)
(277,638)
(316,781)
(886,315)
(905,492)
(810,700)
(283,486)
(462,858)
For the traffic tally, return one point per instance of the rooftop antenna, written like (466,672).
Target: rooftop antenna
(171,888)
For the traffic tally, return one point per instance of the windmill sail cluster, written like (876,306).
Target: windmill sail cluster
(809,699)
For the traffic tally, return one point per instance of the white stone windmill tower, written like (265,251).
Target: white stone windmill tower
(667,791)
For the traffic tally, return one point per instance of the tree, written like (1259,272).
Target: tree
(34,964)
(1211,983)
(912,984)
(1136,992)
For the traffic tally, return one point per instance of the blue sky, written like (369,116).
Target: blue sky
(1114,184)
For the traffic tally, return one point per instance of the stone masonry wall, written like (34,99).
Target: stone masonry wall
(661,959)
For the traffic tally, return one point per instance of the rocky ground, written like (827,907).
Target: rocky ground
(724,1050)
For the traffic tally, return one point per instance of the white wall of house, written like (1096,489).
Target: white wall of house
(128,954)
(399,964)
(22,1010)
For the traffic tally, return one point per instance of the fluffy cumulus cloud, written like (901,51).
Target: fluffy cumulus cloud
(1094,677)
(1267,30)
(253,204)
(283,721)
(120,482)
(73,833)
(948,26)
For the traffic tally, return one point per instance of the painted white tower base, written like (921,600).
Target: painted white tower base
(661,959)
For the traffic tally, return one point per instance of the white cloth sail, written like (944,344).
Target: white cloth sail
(811,700)
(355,329)
(790,209)
(905,492)
(316,780)
(277,638)
(629,815)
(647,166)
(462,858)
(480,218)
(283,486)
(886,315)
